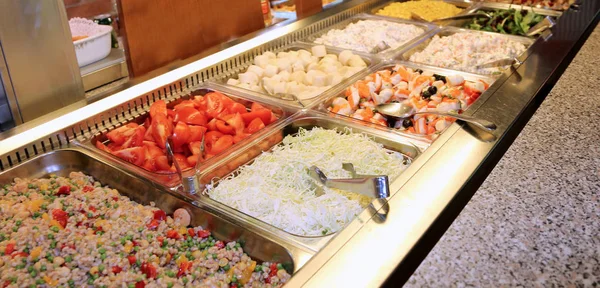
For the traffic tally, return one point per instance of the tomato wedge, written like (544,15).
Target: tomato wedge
(162,163)
(136,138)
(255,107)
(135,155)
(196,133)
(158,108)
(182,161)
(190,115)
(200,102)
(181,135)
(237,123)
(212,125)
(263,114)
(121,134)
(238,108)
(221,144)
(214,104)
(183,104)
(255,125)
(224,127)
(161,129)
(102,147)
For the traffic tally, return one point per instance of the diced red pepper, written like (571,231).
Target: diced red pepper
(273,269)
(87,188)
(149,270)
(153,224)
(160,239)
(131,259)
(10,248)
(220,244)
(184,267)
(92,208)
(117,269)
(203,233)
(21,254)
(191,232)
(160,215)
(115,198)
(64,190)
(140,284)
(172,234)
(233,285)
(61,216)
(63,246)
(6,283)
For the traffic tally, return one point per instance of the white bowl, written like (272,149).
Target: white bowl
(93,48)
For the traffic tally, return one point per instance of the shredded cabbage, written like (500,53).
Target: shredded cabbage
(277,189)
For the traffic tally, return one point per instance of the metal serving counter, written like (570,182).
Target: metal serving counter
(388,240)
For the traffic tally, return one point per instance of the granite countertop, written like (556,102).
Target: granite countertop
(535,221)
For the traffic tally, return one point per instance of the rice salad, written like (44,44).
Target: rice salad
(72,232)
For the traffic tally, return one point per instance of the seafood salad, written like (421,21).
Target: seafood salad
(464,51)
(423,90)
(72,232)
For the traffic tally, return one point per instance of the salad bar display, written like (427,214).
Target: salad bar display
(257,166)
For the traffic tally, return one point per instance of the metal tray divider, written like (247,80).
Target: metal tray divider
(104,120)
(428,27)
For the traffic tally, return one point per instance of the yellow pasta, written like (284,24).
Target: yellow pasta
(429,10)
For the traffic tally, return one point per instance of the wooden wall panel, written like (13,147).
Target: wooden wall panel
(305,8)
(159,32)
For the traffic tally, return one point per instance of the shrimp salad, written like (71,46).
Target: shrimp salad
(424,91)
(464,51)
(366,34)
(72,232)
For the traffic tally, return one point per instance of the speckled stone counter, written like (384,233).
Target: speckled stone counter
(535,221)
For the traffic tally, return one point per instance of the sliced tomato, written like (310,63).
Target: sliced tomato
(255,107)
(183,104)
(162,163)
(196,133)
(158,108)
(135,155)
(182,161)
(221,144)
(263,114)
(136,138)
(102,147)
(239,137)
(224,127)
(149,165)
(121,134)
(200,102)
(190,115)
(181,135)
(148,135)
(212,125)
(113,146)
(195,147)
(212,137)
(237,123)
(216,103)
(161,130)
(255,125)
(238,108)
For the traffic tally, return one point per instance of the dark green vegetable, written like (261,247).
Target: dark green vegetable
(511,21)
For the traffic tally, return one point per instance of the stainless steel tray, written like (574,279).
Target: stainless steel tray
(499,6)
(370,60)
(427,27)
(172,180)
(322,107)
(61,162)
(394,142)
(466,5)
(447,31)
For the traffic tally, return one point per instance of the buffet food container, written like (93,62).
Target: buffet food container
(369,59)
(388,65)
(393,142)
(529,4)
(64,161)
(427,27)
(420,45)
(465,5)
(488,7)
(173,180)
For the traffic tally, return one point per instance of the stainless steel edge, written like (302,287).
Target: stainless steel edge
(465,5)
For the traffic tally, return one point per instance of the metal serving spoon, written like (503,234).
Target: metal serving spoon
(547,23)
(283,96)
(500,63)
(381,46)
(459,17)
(401,110)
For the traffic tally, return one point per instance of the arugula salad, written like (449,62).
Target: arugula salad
(509,21)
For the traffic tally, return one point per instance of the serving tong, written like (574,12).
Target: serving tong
(381,46)
(283,96)
(189,184)
(374,186)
